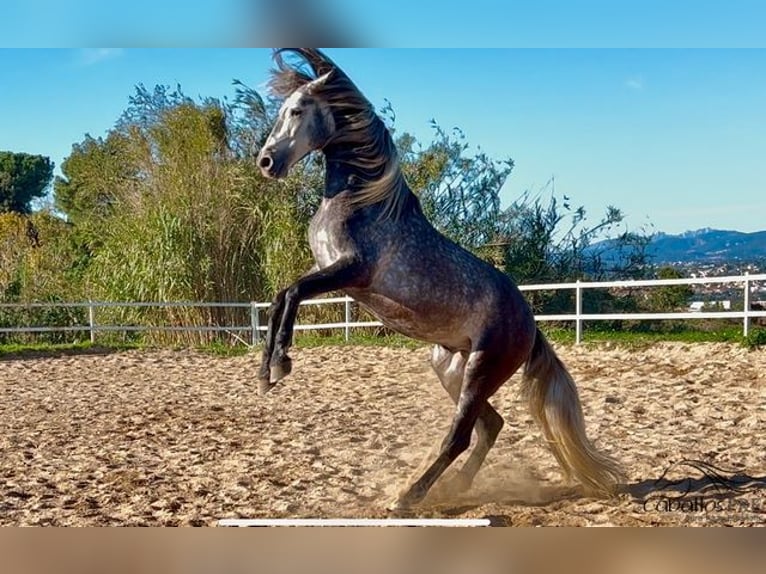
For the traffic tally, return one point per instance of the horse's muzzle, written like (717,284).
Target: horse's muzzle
(269,165)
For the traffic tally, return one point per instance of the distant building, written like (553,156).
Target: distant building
(699,306)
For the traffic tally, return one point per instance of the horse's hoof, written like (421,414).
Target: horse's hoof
(280,370)
(398,507)
(264,387)
(403,504)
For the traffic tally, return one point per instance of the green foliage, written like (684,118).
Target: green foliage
(37,264)
(756,339)
(23,178)
(459,192)
(92,175)
(183,231)
(689,334)
(544,242)
(36,259)
(539,241)
(670,297)
(636,300)
(57,349)
(171,207)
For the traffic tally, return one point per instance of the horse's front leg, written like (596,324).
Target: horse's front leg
(276,310)
(342,274)
(275,319)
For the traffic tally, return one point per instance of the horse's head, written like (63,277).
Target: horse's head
(305,122)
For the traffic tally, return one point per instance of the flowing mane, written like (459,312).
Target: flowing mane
(361,139)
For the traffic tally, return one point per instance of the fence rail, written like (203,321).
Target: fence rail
(256,326)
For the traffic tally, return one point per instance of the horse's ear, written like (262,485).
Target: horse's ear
(316,85)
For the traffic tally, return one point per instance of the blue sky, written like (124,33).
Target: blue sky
(391,23)
(675,138)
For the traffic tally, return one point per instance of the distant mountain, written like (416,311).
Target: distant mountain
(709,245)
(704,245)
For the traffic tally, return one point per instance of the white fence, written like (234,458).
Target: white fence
(746,282)
(251,334)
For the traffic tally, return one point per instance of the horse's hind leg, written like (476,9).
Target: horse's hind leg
(482,377)
(450,368)
(488,426)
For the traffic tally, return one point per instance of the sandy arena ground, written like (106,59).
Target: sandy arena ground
(182,438)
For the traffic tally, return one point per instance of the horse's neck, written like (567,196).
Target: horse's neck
(386,197)
(339,177)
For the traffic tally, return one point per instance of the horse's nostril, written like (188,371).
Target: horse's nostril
(265,162)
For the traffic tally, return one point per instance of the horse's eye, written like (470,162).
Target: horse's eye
(295,112)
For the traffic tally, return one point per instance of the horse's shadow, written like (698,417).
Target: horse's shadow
(709,480)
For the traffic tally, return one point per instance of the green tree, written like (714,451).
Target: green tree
(23,178)
(92,177)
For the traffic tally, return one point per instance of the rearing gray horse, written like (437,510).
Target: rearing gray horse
(371,240)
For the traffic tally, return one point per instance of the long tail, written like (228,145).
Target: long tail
(555,405)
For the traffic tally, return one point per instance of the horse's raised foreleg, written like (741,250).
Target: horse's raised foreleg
(275,318)
(342,274)
(450,368)
(276,311)
(483,375)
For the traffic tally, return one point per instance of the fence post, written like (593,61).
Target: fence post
(255,323)
(578,313)
(746,306)
(348,316)
(91,322)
